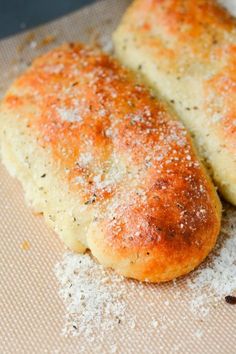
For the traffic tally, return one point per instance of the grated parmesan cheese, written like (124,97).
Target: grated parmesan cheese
(85,159)
(96,300)
(93,296)
(216,279)
(69,115)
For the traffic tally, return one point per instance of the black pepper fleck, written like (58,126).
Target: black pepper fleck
(230,299)
(91,200)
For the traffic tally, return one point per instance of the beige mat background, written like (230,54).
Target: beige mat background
(31,313)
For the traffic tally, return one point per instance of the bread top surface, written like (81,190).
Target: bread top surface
(192,40)
(121,152)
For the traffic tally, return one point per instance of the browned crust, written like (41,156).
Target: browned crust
(161,215)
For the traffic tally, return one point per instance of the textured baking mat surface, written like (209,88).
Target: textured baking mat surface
(168,318)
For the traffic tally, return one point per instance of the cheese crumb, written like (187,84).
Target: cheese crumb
(93,297)
(69,115)
(213,281)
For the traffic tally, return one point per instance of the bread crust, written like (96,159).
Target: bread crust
(186,51)
(109,167)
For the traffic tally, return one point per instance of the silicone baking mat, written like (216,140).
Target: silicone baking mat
(31,311)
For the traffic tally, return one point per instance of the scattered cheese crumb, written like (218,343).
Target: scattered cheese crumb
(69,115)
(113,349)
(216,279)
(154,324)
(97,299)
(85,159)
(198,333)
(93,296)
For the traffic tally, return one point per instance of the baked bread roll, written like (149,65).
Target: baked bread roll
(186,51)
(111,170)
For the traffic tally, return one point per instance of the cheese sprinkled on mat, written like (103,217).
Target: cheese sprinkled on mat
(97,300)
(93,296)
(216,279)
